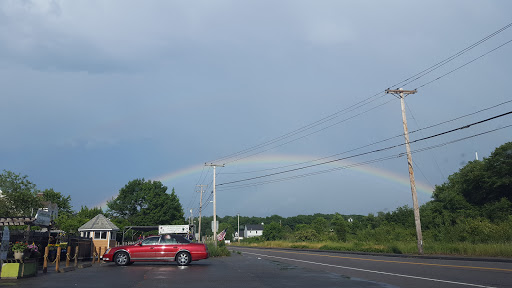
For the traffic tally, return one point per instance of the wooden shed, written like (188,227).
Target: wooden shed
(102,232)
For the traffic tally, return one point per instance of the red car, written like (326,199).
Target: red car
(158,248)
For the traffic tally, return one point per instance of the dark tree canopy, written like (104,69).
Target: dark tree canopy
(19,195)
(479,182)
(144,202)
(63,202)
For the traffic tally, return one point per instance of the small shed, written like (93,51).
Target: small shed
(102,232)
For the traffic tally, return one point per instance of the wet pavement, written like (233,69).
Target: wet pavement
(239,270)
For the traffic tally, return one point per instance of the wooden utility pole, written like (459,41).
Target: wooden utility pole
(200,209)
(402,94)
(214,203)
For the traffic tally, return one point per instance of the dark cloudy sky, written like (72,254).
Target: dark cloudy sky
(97,93)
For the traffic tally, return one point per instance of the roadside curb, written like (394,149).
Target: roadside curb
(442,257)
(66,269)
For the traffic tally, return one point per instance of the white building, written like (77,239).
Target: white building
(253,230)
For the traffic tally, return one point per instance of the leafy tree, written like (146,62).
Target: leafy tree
(19,196)
(147,203)
(63,202)
(319,225)
(272,232)
(89,213)
(71,222)
(340,227)
(479,182)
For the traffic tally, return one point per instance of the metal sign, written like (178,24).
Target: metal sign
(42,218)
(4,249)
(173,229)
(217,226)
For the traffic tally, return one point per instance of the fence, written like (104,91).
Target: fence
(42,239)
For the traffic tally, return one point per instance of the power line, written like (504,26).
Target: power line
(369,152)
(361,103)
(464,65)
(314,132)
(360,163)
(374,143)
(451,58)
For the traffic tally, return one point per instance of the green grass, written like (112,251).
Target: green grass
(436,248)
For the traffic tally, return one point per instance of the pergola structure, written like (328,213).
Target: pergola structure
(16,221)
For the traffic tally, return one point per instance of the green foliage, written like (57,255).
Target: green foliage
(19,195)
(320,226)
(340,227)
(306,235)
(479,182)
(272,231)
(63,202)
(219,251)
(70,223)
(147,203)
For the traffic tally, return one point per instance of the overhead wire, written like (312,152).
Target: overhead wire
(369,152)
(314,132)
(464,65)
(451,58)
(336,114)
(247,185)
(376,142)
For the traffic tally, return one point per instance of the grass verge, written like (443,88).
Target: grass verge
(455,249)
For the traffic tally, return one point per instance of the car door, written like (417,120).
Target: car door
(167,249)
(145,250)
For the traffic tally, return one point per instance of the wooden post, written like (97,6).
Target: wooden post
(99,254)
(76,255)
(67,255)
(45,261)
(57,261)
(93,255)
(415,205)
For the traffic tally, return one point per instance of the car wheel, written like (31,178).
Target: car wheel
(122,258)
(183,258)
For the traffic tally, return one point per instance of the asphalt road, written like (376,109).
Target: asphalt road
(397,271)
(283,268)
(239,270)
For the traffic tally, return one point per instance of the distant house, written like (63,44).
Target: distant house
(102,231)
(253,230)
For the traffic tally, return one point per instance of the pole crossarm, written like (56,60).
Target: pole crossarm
(400,91)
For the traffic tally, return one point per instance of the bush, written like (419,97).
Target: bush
(218,251)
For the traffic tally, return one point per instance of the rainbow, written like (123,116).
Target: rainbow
(283,160)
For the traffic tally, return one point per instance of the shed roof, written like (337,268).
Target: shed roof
(99,222)
(254,227)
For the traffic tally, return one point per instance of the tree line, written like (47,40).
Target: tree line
(474,205)
(139,203)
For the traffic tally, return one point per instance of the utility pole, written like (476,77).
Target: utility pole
(238,228)
(214,203)
(200,209)
(402,94)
